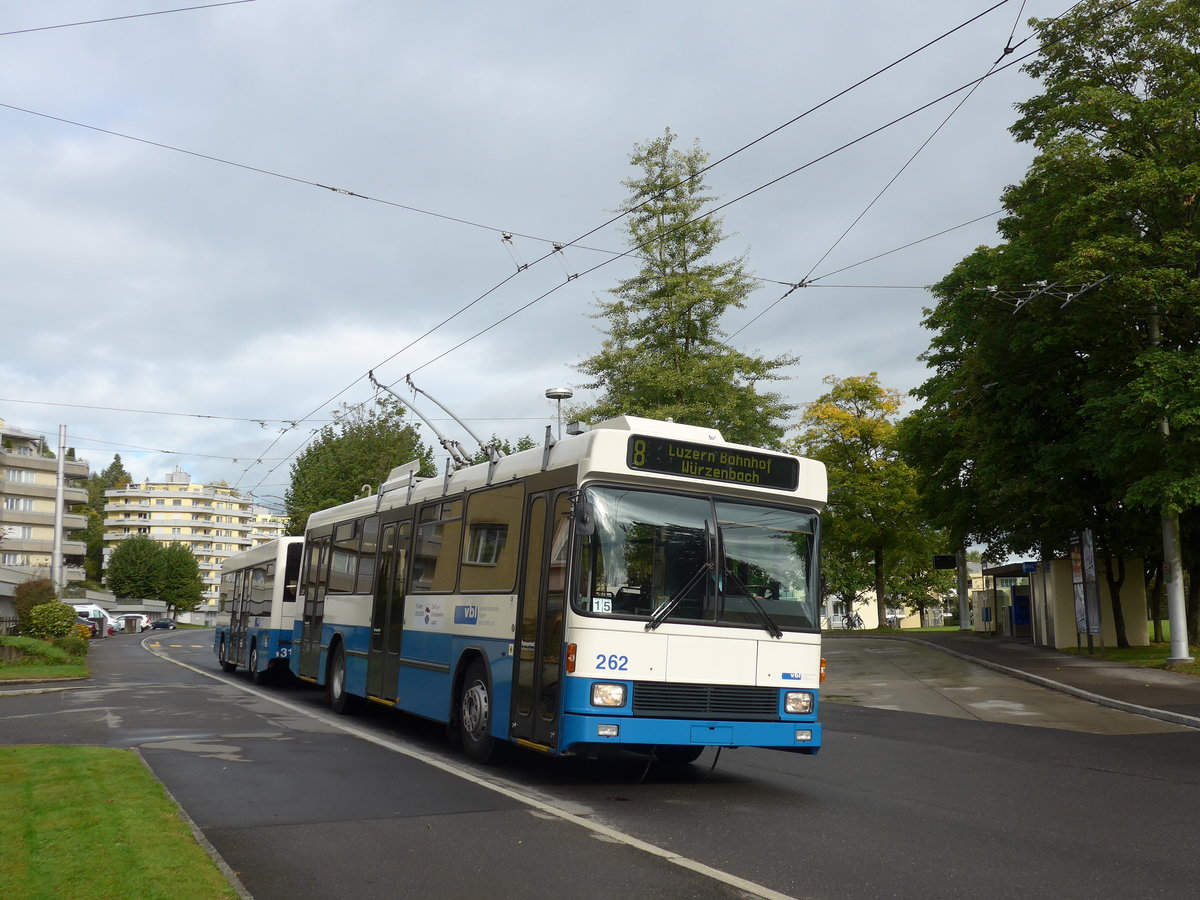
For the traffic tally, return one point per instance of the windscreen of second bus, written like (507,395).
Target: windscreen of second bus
(717,561)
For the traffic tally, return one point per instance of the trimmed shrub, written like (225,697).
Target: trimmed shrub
(51,620)
(74,643)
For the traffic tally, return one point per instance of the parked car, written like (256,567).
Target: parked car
(162,623)
(91,626)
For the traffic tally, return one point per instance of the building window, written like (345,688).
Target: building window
(14,559)
(18,476)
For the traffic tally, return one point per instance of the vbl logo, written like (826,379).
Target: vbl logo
(466,615)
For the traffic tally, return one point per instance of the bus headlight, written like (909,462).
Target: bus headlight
(607,694)
(798,702)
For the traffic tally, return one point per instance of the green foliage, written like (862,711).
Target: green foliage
(92,534)
(664,354)
(354,454)
(135,568)
(182,586)
(75,643)
(874,535)
(525,442)
(35,651)
(32,593)
(51,620)
(1043,420)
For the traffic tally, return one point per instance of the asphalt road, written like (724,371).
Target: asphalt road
(945,803)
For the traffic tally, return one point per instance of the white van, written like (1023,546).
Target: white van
(92,611)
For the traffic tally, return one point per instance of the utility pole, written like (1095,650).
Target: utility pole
(1172,557)
(964,607)
(56,559)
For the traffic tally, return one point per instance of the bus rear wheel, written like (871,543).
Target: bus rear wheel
(475,715)
(223,659)
(341,702)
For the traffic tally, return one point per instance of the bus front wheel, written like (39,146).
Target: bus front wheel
(475,715)
(255,675)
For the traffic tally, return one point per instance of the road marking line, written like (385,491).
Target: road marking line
(597,829)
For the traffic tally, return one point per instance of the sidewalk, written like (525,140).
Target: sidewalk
(1157,693)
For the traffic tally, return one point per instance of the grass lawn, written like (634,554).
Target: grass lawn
(1153,656)
(92,823)
(41,661)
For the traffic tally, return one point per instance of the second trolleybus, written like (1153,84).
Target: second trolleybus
(255,621)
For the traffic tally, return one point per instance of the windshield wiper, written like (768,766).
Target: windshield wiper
(660,614)
(768,623)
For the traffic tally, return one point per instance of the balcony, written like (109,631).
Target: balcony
(71,522)
(46,546)
(72,468)
(43,491)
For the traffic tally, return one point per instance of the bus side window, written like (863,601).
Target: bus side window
(291,575)
(366,560)
(493,539)
(435,556)
(343,568)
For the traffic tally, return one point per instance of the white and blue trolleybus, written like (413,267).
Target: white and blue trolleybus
(255,619)
(637,585)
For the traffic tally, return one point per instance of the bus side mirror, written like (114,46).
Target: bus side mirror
(585,523)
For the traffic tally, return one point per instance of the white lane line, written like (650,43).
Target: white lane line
(602,831)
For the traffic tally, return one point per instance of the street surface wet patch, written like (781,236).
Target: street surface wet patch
(899,675)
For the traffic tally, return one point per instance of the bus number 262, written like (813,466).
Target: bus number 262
(611,662)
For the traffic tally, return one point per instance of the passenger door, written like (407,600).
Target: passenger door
(387,612)
(537,678)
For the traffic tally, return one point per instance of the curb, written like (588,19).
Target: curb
(224,867)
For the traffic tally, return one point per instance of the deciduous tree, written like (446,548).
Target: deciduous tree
(1042,418)
(874,537)
(182,586)
(353,454)
(135,568)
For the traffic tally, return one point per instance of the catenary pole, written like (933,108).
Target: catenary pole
(1172,557)
(56,559)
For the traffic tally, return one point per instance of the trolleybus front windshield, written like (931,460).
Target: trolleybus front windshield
(671,557)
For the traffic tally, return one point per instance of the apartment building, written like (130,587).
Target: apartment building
(28,484)
(215,521)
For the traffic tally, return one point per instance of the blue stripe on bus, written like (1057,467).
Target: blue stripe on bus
(426,691)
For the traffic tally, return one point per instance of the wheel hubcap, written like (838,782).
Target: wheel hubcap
(475,711)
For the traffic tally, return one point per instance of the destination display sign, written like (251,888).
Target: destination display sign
(671,457)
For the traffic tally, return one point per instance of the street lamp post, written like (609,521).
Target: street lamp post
(559,394)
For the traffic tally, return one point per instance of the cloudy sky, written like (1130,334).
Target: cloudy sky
(180,285)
